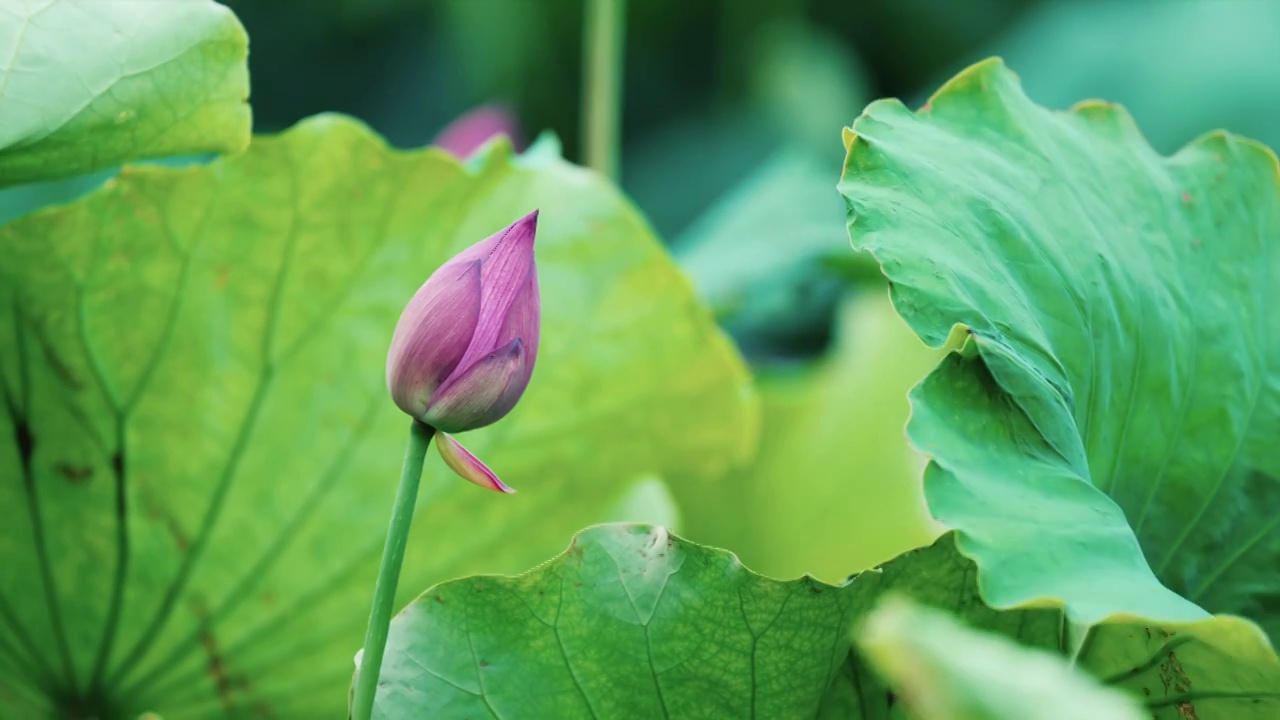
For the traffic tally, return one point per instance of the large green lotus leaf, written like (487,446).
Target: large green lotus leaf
(198,448)
(629,622)
(946,671)
(1121,367)
(90,84)
(632,621)
(835,487)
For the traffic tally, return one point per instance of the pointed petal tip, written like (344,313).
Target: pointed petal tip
(527,224)
(512,349)
(432,335)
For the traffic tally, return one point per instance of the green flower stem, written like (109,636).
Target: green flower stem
(603,39)
(384,593)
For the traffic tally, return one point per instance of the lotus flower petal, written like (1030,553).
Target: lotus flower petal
(432,335)
(524,322)
(481,394)
(506,263)
(468,466)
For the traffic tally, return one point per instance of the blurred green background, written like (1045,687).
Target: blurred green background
(731,145)
(726,97)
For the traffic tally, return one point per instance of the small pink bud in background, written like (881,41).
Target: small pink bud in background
(464,348)
(472,129)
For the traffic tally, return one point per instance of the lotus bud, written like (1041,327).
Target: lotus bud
(464,348)
(470,131)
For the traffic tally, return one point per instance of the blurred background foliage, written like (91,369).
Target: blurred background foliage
(732,108)
(732,148)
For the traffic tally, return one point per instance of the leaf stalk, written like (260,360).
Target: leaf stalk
(603,42)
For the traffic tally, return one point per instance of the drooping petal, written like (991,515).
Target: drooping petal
(506,262)
(468,466)
(471,130)
(481,394)
(433,334)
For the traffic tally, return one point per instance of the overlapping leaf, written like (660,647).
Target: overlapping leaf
(1122,370)
(945,671)
(196,441)
(90,84)
(631,621)
(1219,667)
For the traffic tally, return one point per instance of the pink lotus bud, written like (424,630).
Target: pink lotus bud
(465,345)
(474,128)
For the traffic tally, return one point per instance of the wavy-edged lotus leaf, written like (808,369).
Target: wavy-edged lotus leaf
(1107,436)
(633,621)
(195,436)
(629,622)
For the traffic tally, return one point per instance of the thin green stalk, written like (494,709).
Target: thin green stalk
(603,40)
(384,593)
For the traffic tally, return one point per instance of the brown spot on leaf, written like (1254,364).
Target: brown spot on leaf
(439,599)
(216,668)
(1174,678)
(77,474)
(156,512)
(1186,198)
(484,663)
(176,532)
(224,274)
